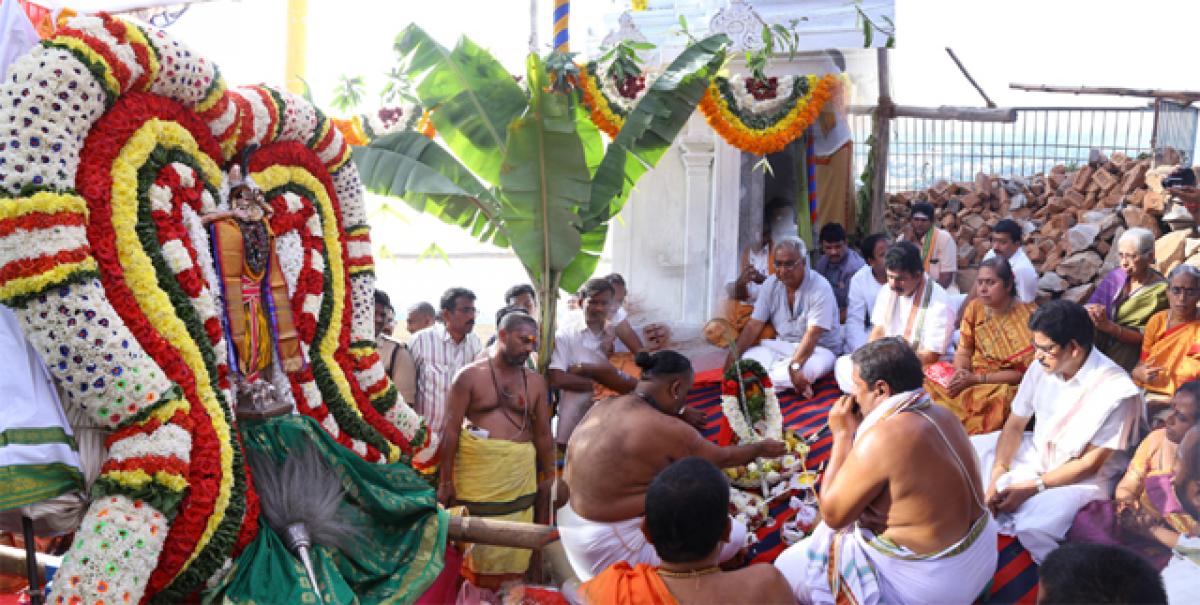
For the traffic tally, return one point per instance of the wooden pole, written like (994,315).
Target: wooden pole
(1185,96)
(1154,133)
(945,112)
(881,134)
(963,69)
(493,532)
(13,562)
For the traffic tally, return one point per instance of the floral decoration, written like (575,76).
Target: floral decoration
(752,116)
(122,133)
(749,403)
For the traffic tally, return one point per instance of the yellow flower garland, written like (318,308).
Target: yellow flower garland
(597,105)
(153,302)
(276,176)
(762,141)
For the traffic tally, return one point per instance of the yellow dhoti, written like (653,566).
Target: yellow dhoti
(496,478)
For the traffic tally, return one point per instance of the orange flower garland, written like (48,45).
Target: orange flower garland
(598,107)
(730,125)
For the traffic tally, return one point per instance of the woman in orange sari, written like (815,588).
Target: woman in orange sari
(1171,346)
(994,349)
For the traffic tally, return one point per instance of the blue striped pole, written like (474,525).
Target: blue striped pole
(562,34)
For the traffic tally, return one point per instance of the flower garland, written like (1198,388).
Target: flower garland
(114,287)
(758,417)
(606,104)
(769,125)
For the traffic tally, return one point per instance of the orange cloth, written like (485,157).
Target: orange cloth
(623,362)
(835,187)
(998,342)
(1176,350)
(248,321)
(625,585)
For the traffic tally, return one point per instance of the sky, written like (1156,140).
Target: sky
(1150,43)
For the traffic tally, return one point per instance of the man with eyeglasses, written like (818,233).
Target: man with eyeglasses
(439,351)
(1086,408)
(800,304)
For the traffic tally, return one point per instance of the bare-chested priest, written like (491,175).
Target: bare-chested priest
(491,463)
(902,499)
(614,455)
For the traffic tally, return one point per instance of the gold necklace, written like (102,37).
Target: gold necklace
(694,573)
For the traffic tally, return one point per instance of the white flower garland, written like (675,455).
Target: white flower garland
(773,421)
(747,102)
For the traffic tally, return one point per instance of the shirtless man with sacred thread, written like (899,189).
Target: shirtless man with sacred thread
(616,452)
(493,462)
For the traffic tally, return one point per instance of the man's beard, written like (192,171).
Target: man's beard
(514,360)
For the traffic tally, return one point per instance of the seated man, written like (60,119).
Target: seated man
(1006,242)
(1091,573)
(837,264)
(580,358)
(801,306)
(687,519)
(912,307)
(1145,515)
(491,462)
(864,290)
(939,252)
(758,263)
(902,501)
(1086,410)
(616,452)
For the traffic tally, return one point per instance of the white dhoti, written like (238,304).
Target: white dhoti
(1181,577)
(1042,521)
(874,570)
(776,356)
(592,546)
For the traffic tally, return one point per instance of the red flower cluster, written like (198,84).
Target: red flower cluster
(764,88)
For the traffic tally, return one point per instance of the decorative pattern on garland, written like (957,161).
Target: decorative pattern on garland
(764,116)
(122,133)
(606,100)
(749,403)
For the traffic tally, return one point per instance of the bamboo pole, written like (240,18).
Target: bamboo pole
(964,71)
(494,532)
(882,133)
(297,45)
(1186,96)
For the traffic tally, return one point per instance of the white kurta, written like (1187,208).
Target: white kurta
(860,303)
(575,343)
(814,306)
(1099,406)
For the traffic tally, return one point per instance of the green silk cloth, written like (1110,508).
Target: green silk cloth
(396,556)
(1133,312)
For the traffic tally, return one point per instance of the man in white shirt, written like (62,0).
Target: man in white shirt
(1086,408)
(864,290)
(912,307)
(800,304)
(440,351)
(1006,241)
(580,358)
(938,250)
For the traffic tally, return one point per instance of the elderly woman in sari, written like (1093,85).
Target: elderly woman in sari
(1171,348)
(994,350)
(1126,299)
(1146,515)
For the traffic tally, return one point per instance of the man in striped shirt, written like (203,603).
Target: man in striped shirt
(439,351)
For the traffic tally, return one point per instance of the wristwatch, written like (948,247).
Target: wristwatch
(795,366)
(1041,485)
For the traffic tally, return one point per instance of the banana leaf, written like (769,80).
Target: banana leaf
(544,180)
(472,98)
(414,168)
(651,126)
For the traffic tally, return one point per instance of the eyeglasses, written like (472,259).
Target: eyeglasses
(1050,349)
(1127,256)
(785,265)
(1177,290)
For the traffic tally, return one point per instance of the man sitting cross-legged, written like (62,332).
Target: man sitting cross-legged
(902,501)
(1086,408)
(801,305)
(497,443)
(616,452)
(687,519)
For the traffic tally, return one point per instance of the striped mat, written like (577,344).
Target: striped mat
(1016,574)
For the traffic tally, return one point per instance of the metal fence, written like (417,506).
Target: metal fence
(922,151)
